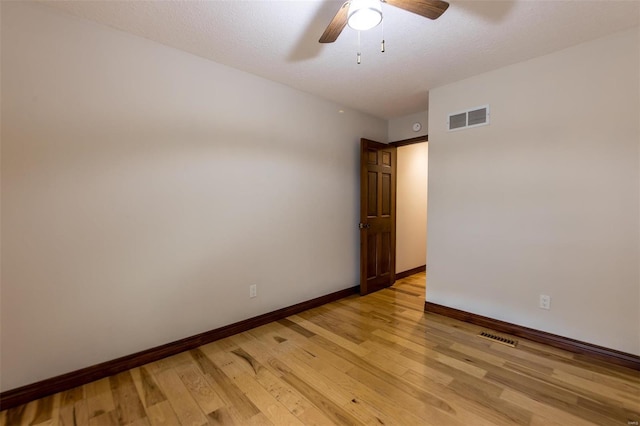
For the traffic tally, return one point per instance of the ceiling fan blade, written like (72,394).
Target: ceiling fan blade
(431,9)
(336,25)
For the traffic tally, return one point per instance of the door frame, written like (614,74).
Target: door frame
(396,144)
(405,142)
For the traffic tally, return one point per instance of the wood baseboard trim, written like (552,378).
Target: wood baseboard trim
(611,356)
(25,394)
(409,272)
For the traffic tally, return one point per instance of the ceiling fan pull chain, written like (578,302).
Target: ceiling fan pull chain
(382,44)
(358,57)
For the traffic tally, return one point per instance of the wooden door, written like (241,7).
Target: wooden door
(377,216)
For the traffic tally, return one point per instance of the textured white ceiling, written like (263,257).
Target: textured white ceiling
(278,40)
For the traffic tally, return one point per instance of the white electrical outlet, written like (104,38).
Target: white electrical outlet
(545,301)
(253,290)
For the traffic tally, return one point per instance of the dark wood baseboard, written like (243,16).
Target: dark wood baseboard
(24,394)
(405,274)
(599,352)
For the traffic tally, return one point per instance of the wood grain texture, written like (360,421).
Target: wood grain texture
(74,379)
(378,171)
(431,9)
(336,25)
(377,359)
(571,345)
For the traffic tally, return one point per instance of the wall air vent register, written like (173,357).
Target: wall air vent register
(474,117)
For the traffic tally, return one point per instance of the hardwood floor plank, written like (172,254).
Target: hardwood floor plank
(405,291)
(162,414)
(279,389)
(396,302)
(99,398)
(44,410)
(549,394)
(140,422)
(199,389)
(332,410)
(474,404)
(128,406)
(109,418)
(402,342)
(346,331)
(379,407)
(349,401)
(220,416)
(244,370)
(72,407)
(295,327)
(316,350)
(629,385)
(427,407)
(489,354)
(616,414)
(323,411)
(74,414)
(259,419)
(185,407)
(150,390)
(543,411)
(72,396)
(587,395)
(55,412)
(328,334)
(157,367)
(598,392)
(265,402)
(225,387)
(16,415)
(382,375)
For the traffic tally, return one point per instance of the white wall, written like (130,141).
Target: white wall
(144,189)
(411,206)
(401,128)
(545,198)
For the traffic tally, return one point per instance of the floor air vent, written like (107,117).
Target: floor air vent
(498,339)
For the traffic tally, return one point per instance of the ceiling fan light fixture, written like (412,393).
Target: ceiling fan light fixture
(364,14)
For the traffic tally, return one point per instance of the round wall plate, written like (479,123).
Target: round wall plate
(417,126)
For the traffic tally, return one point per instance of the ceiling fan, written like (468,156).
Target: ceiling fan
(366,14)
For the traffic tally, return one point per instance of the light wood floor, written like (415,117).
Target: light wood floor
(377,360)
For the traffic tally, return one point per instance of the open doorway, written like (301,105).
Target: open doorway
(380,190)
(411,213)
